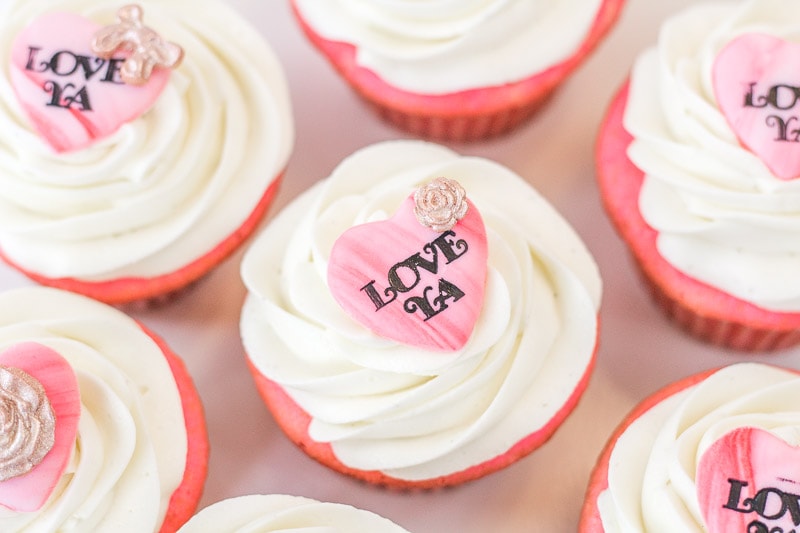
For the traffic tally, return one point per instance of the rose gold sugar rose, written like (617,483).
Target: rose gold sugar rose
(148,49)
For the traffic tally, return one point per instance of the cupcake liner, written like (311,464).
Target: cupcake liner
(459,128)
(718,331)
(701,310)
(464,116)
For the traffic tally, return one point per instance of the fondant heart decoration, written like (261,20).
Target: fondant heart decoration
(756,82)
(71,96)
(749,480)
(29,491)
(410,283)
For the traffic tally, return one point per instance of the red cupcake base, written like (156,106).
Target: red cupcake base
(462,116)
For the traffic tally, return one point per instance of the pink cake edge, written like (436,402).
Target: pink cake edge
(164,288)
(186,497)
(294,422)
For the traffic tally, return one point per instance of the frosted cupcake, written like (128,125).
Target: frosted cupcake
(463,71)
(127,181)
(716,452)
(263,513)
(698,170)
(401,352)
(102,427)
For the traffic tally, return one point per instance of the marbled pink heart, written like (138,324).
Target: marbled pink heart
(749,476)
(28,492)
(71,96)
(412,284)
(756,82)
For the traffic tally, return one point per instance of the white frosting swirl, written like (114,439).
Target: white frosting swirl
(410,413)
(653,465)
(444,46)
(165,188)
(131,446)
(277,512)
(721,216)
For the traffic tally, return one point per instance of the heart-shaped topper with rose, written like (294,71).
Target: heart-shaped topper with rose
(749,480)
(40,408)
(79,82)
(419,277)
(756,81)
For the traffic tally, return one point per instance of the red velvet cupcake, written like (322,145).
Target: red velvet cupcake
(104,428)
(712,453)
(460,74)
(411,354)
(128,184)
(693,178)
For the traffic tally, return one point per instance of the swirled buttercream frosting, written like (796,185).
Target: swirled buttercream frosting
(131,444)
(165,188)
(276,512)
(654,464)
(410,413)
(721,215)
(447,46)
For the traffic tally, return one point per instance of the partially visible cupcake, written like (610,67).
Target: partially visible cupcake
(103,429)
(130,191)
(716,452)
(460,72)
(696,176)
(406,354)
(277,512)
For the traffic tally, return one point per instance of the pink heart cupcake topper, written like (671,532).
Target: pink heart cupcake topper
(405,280)
(74,94)
(749,480)
(40,409)
(757,86)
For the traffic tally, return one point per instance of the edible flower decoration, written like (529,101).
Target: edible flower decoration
(39,413)
(27,423)
(440,204)
(148,49)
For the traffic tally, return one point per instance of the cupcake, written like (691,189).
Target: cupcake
(406,354)
(715,452)
(139,145)
(458,72)
(102,427)
(698,179)
(277,512)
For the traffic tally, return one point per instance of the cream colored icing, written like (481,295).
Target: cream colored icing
(653,464)
(410,413)
(130,452)
(451,45)
(277,512)
(165,188)
(721,216)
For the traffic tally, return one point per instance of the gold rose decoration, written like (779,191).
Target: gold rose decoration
(27,423)
(440,204)
(148,49)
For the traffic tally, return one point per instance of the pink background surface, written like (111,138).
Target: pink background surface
(640,351)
